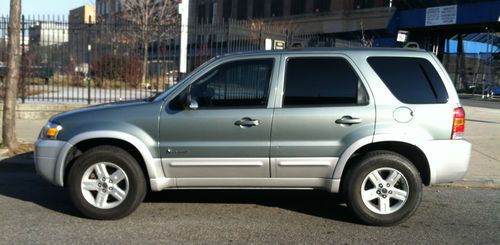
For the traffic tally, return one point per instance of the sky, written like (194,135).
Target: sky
(44,7)
(470,47)
(62,7)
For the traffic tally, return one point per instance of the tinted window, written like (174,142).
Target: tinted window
(411,80)
(234,84)
(322,81)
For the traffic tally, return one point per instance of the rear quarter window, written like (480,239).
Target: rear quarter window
(411,80)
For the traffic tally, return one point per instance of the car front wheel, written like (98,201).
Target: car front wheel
(106,182)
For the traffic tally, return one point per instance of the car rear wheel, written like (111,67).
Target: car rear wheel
(384,188)
(106,182)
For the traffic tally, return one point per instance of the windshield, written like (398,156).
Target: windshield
(162,95)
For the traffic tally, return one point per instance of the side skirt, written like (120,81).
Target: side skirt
(330,185)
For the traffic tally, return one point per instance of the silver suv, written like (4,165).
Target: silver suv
(373,124)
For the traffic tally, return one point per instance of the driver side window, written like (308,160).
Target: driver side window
(235,84)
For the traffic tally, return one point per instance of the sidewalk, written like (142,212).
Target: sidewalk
(27,130)
(482,130)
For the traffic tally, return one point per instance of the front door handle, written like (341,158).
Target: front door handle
(348,120)
(247,122)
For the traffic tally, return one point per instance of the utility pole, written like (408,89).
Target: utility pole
(184,12)
(9,138)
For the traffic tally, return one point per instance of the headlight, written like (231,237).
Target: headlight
(50,131)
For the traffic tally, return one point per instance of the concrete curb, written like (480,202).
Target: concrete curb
(489,184)
(30,111)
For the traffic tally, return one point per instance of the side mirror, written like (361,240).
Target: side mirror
(189,102)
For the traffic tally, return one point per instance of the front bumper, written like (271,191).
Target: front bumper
(448,159)
(48,159)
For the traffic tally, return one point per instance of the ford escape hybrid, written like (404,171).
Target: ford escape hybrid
(373,124)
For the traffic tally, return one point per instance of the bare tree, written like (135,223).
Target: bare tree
(147,14)
(9,107)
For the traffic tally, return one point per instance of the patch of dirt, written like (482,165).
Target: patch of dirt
(24,149)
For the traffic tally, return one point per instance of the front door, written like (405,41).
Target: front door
(226,132)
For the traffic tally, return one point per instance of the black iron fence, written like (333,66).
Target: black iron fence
(64,61)
(473,73)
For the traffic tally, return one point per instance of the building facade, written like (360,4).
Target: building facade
(47,33)
(106,8)
(79,23)
(212,10)
(85,14)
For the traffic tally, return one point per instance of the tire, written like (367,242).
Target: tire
(114,197)
(378,199)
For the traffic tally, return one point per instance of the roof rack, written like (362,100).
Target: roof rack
(413,45)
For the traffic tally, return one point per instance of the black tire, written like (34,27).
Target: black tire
(375,161)
(136,182)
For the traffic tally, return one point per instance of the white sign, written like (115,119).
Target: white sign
(443,15)
(269,44)
(279,44)
(402,36)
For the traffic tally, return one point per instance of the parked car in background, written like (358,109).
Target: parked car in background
(43,72)
(493,91)
(373,124)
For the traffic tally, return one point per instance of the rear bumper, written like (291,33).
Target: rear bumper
(47,153)
(448,159)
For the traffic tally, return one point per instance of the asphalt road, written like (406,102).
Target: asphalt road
(33,211)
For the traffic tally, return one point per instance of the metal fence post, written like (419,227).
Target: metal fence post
(158,67)
(24,69)
(89,49)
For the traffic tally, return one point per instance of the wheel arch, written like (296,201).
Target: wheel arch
(82,142)
(408,150)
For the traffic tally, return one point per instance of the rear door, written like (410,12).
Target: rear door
(324,108)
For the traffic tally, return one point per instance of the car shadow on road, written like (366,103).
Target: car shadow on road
(18,180)
(316,203)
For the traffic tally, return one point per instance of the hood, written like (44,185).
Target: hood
(98,109)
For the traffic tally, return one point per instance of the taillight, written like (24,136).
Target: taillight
(458,123)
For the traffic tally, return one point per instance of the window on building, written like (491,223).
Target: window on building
(227,9)
(277,8)
(202,17)
(297,7)
(242,9)
(411,80)
(322,82)
(237,84)
(108,7)
(258,8)
(321,6)
(213,11)
(362,4)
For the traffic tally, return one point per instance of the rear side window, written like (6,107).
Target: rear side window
(322,82)
(411,80)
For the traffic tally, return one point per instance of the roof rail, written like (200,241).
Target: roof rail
(414,45)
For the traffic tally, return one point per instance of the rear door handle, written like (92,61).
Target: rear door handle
(247,122)
(348,120)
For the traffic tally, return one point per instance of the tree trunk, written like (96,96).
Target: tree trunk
(9,138)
